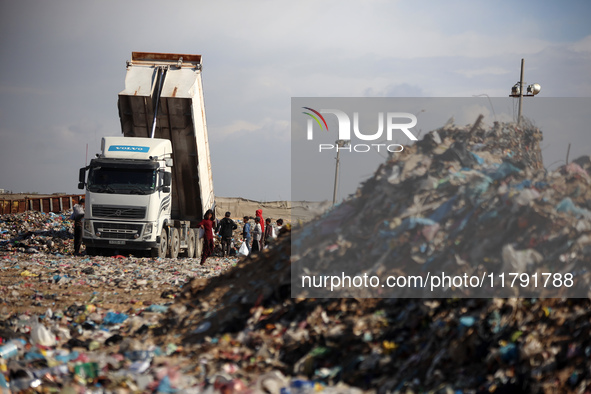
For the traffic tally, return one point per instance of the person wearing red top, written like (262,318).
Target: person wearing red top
(259,214)
(207,225)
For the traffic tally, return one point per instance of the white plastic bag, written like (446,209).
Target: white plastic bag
(41,335)
(243,251)
(201,232)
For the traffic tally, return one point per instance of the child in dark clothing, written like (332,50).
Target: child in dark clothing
(225,229)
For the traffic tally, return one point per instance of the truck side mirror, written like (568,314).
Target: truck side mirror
(167,180)
(81,176)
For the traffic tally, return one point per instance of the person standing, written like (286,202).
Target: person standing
(77,216)
(269,233)
(226,228)
(279,226)
(207,225)
(246,233)
(257,235)
(259,213)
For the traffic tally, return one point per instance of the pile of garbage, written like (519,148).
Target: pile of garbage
(53,233)
(468,202)
(465,198)
(468,197)
(34,232)
(87,324)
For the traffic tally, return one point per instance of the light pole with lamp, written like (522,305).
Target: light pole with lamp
(517,91)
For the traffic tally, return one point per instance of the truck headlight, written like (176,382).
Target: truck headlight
(148,229)
(87,226)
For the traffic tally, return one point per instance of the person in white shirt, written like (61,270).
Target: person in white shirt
(257,235)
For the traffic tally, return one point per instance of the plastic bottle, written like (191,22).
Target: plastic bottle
(12,348)
(299,386)
(8,350)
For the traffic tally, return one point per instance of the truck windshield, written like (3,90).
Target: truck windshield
(121,180)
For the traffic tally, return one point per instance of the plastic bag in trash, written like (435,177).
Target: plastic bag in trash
(41,335)
(243,251)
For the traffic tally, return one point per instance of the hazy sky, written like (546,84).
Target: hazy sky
(63,64)
(313,160)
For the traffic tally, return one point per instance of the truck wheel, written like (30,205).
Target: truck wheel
(160,251)
(198,247)
(190,251)
(175,243)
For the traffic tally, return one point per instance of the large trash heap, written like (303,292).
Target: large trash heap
(465,196)
(462,197)
(471,201)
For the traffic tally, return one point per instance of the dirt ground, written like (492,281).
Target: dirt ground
(38,271)
(32,285)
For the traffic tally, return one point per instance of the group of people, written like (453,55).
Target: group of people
(260,235)
(256,237)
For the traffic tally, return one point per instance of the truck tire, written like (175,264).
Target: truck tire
(190,250)
(198,247)
(175,243)
(161,250)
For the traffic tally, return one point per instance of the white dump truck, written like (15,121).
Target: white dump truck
(148,190)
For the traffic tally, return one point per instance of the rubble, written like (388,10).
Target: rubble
(467,197)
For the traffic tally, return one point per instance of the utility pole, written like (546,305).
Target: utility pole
(340,144)
(517,91)
(520,95)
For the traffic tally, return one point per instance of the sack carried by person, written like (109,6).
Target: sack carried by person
(77,213)
(243,251)
(201,232)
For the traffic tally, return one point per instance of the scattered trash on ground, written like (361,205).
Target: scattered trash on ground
(467,196)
